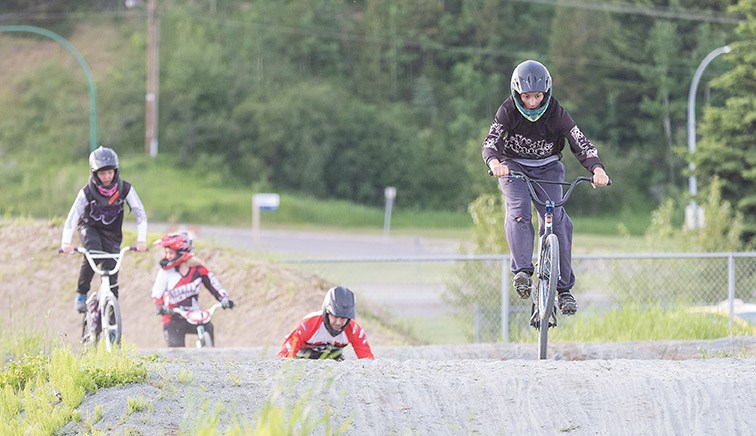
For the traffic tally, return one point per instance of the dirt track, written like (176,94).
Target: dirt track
(631,388)
(439,390)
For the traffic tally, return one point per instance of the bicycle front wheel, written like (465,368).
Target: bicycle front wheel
(205,341)
(111,322)
(547,289)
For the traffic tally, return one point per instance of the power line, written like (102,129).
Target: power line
(708,16)
(655,12)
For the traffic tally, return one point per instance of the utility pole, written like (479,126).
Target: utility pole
(151,120)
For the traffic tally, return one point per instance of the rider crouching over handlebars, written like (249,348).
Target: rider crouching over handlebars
(177,285)
(324,334)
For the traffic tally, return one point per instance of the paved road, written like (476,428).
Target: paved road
(309,244)
(418,297)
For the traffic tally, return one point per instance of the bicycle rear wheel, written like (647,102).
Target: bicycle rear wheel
(111,322)
(547,284)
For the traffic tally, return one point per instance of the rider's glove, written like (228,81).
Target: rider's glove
(162,310)
(226,303)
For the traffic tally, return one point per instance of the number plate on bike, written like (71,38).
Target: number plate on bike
(198,316)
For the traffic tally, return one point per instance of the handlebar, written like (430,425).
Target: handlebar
(94,255)
(530,182)
(193,316)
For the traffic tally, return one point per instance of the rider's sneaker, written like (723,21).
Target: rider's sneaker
(80,303)
(522,284)
(567,303)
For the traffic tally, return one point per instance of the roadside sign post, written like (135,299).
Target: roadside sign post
(390,194)
(262,202)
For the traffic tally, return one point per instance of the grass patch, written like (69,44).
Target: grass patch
(645,323)
(41,387)
(437,330)
(216,201)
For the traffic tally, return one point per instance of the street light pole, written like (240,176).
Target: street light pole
(82,63)
(151,117)
(693,213)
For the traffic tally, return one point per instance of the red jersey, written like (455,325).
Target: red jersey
(311,333)
(174,290)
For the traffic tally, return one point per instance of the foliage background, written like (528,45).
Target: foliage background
(339,99)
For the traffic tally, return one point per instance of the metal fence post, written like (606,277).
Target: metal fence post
(505,299)
(731,289)
(476,323)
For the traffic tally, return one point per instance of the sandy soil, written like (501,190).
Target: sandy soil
(38,286)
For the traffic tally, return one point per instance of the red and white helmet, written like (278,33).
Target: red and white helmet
(181,243)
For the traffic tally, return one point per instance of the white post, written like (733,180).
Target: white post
(262,202)
(255,221)
(390,194)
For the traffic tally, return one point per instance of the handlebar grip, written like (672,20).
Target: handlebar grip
(608,184)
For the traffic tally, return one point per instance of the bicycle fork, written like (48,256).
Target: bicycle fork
(200,335)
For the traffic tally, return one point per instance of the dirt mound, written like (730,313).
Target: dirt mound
(38,286)
(445,390)
(638,388)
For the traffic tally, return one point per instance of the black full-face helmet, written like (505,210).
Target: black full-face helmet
(531,76)
(103,158)
(339,302)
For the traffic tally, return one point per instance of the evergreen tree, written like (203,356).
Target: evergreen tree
(727,147)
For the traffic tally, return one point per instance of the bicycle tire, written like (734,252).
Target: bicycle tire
(88,336)
(111,322)
(547,284)
(206,340)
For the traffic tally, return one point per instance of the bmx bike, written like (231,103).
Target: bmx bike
(544,293)
(196,317)
(103,316)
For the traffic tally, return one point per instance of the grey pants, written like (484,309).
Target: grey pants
(519,225)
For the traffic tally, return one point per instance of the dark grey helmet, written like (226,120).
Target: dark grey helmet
(340,302)
(103,158)
(531,76)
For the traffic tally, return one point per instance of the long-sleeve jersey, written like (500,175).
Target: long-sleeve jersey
(91,210)
(311,333)
(174,290)
(513,137)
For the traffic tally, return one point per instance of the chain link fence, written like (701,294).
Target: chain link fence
(458,299)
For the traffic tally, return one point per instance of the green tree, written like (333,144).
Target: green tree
(722,229)
(727,148)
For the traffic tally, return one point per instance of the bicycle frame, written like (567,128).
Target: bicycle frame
(103,311)
(547,270)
